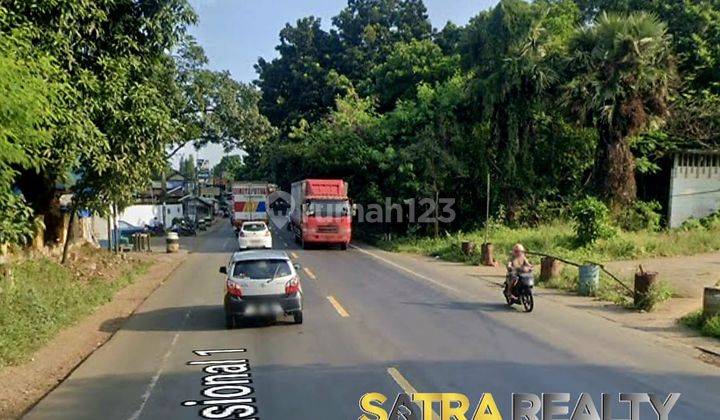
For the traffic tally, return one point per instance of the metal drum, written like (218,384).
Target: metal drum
(172,242)
(589,279)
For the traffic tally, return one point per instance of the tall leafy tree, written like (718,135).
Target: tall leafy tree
(622,77)
(302,83)
(28,104)
(695,29)
(368,30)
(211,107)
(515,52)
(228,166)
(114,52)
(407,66)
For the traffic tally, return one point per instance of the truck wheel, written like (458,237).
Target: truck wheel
(298,317)
(343,247)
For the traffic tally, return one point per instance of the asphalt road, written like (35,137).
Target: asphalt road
(372,323)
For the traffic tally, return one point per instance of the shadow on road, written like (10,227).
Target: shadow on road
(187,318)
(466,306)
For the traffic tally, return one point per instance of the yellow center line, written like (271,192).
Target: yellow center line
(406,386)
(309,273)
(338,307)
(292,254)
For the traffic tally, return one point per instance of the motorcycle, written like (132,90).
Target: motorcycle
(522,291)
(155,230)
(182,227)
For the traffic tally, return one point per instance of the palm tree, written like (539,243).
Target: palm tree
(621,75)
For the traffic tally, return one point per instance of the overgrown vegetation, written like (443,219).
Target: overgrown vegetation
(559,239)
(46,297)
(96,95)
(706,326)
(592,221)
(556,99)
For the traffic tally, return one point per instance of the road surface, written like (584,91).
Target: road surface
(372,323)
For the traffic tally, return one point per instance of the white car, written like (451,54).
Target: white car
(261,284)
(254,235)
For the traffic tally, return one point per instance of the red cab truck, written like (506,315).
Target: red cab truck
(322,213)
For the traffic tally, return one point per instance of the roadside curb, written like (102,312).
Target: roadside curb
(708,351)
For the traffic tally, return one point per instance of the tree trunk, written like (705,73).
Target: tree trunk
(70,235)
(615,170)
(39,191)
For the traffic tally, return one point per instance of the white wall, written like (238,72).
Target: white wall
(694,187)
(144,214)
(139,215)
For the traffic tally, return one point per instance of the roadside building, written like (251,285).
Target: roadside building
(200,207)
(694,185)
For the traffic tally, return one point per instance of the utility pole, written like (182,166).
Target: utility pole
(116,236)
(487,206)
(164,198)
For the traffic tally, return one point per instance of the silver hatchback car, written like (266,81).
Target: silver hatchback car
(262,283)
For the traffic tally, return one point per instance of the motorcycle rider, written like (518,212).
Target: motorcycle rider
(517,265)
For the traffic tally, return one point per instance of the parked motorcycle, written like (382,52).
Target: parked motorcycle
(183,227)
(522,291)
(155,230)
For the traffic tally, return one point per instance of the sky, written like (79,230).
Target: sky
(235,33)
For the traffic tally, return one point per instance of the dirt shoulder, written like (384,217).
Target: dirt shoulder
(27,383)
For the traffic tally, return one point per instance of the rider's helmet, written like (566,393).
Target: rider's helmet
(518,249)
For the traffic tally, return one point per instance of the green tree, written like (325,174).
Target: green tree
(230,165)
(408,65)
(27,108)
(187,167)
(212,107)
(369,29)
(112,129)
(695,29)
(622,76)
(302,83)
(515,51)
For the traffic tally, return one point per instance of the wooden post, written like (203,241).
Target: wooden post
(644,280)
(468,247)
(711,302)
(550,268)
(486,255)
(38,240)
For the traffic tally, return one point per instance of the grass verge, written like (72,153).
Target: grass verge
(709,327)
(559,239)
(45,297)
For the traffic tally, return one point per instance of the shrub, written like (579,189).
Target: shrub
(642,215)
(712,327)
(711,221)
(692,224)
(709,327)
(592,221)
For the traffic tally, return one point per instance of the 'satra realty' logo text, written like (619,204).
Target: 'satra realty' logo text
(421,406)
